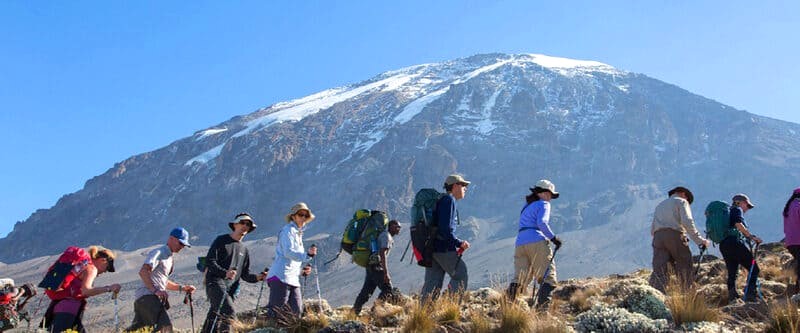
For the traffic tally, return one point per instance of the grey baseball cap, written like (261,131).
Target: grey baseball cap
(743,197)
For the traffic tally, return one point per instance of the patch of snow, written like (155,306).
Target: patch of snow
(415,107)
(659,148)
(374,138)
(624,87)
(209,132)
(486,125)
(304,107)
(206,156)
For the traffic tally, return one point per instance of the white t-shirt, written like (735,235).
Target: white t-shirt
(160,261)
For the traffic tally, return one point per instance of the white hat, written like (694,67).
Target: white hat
(546,185)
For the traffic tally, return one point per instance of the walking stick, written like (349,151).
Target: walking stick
(115,296)
(406,250)
(546,271)
(316,277)
(750,271)
(697,267)
(188,300)
(258,301)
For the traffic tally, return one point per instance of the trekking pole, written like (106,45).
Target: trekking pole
(221,303)
(750,271)
(188,300)
(697,267)
(316,277)
(258,301)
(115,296)
(546,271)
(406,250)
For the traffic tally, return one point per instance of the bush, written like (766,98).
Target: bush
(602,318)
(647,301)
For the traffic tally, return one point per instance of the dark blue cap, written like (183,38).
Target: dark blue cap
(182,235)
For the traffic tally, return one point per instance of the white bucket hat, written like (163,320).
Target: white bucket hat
(547,185)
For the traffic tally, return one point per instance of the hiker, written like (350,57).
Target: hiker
(284,274)
(377,270)
(672,222)
(447,248)
(533,257)
(791,229)
(735,252)
(152,300)
(227,262)
(66,310)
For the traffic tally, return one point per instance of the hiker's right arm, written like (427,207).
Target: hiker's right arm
(88,276)
(687,221)
(146,273)
(212,259)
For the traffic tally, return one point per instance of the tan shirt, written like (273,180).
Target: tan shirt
(674,213)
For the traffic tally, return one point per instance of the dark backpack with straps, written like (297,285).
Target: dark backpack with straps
(718,222)
(423,225)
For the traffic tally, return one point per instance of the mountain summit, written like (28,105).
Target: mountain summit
(613,142)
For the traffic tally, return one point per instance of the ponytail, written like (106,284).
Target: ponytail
(788,203)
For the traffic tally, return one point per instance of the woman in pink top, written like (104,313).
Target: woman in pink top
(791,229)
(66,313)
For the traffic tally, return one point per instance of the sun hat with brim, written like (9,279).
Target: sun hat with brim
(456,179)
(744,198)
(545,185)
(241,218)
(298,207)
(689,195)
(796,191)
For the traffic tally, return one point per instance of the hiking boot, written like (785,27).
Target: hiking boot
(732,295)
(512,291)
(543,297)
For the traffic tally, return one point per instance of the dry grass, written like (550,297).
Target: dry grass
(383,314)
(687,304)
(311,323)
(448,309)
(547,323)
(419,319)
(580,299)
(783,318)
(244,325)
(514,318)
(479,322)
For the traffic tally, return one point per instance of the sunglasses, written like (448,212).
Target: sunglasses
(303,215)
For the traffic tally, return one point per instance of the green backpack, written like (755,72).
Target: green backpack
(360,237)
(718,221)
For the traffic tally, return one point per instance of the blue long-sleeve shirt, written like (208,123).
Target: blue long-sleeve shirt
(446,220)
(534,223)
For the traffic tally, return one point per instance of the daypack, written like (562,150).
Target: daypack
(69,264)
(423,225)
(360,237)
(718,221)
(12,302)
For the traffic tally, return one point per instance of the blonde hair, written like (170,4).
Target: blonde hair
(97,251)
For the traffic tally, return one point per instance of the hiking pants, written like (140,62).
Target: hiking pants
(373,279)
(735,253)
(444,262)
(671,250)
(148,311)
(281,296)
(217,294)
(795,251)
(531,261)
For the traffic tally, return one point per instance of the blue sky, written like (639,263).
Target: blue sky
(84,85)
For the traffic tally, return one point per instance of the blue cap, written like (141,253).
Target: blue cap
(182,235)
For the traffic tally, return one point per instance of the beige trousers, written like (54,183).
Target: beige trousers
(531,261)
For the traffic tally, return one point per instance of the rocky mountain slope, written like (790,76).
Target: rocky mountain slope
(612,141)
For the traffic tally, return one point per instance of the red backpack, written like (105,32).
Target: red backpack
(63,272)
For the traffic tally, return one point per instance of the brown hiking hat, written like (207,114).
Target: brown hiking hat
(741,197)
(243,218)
(689,195)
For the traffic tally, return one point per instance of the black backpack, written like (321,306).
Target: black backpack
(423,225)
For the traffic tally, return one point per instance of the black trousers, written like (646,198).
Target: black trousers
(218,295)
(735,253)
(372,280)
(795,251)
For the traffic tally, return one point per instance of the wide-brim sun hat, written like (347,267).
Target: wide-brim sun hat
(546,185)
(745,198)
(298,207)
(241,218)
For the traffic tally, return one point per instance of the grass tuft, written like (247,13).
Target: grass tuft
(783,318)
(687,304)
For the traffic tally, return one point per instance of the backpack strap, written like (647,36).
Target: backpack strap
(520,213)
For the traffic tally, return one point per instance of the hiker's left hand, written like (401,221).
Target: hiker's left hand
(162,294)
(306,270)
(312,251)
(262,276)
(189,288)
(114,288)
(387,279)
(756,239)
